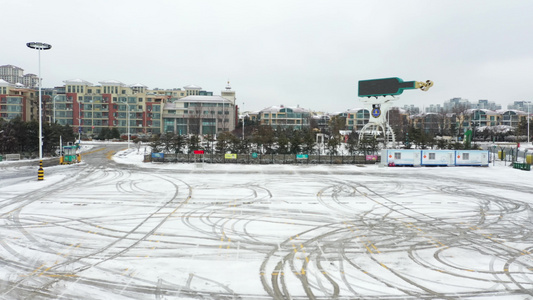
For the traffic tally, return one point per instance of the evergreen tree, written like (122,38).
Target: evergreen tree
(333,144)
(104,134)
(283,143)
(114,134)
(353,139)
(296,141)
(308,141)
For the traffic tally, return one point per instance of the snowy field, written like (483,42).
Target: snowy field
(124,229)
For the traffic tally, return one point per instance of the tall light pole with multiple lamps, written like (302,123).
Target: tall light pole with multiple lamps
(40,46)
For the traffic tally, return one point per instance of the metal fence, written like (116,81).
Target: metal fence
(260,159)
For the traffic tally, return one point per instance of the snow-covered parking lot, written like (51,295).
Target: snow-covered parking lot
(133,230)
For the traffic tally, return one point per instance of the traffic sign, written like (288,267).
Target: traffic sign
(376,110)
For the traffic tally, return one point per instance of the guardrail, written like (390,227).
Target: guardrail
(259,159)
(12,156)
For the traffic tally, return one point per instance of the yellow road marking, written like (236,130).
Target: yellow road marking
(35,271)
(46,270)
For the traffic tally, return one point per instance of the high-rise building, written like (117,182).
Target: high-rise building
(486,104)
(30,80)
(11,74)
(456,105)
(521,105)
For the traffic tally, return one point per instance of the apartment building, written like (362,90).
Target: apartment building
(201,112)
(285,117)
(130,108)
(17,101)
(482,117)
(513,117)
(357,118)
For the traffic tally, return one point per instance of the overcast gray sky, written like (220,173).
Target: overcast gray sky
(307,53)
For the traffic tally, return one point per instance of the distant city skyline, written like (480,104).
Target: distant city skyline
(30,80)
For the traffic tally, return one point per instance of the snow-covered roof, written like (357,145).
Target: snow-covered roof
(487,111)
(192,87)
(138,85)
(77,81)
(12,67)
(279,108)
(111,82)
(355,110)
(204,99)
(4,83)
(518,112)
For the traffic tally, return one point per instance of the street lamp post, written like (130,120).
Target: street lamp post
(40,46)
(243,121)
(54,108)
(528,117)
(128,122)
(79,121)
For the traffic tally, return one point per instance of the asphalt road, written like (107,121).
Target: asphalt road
(105,230)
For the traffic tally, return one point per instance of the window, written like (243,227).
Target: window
(432,156)
(466,156)
(397,155)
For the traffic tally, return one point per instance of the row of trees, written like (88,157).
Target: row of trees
(449,123)
(266,140)
(17,136)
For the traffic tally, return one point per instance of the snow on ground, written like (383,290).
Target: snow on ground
(183,231)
